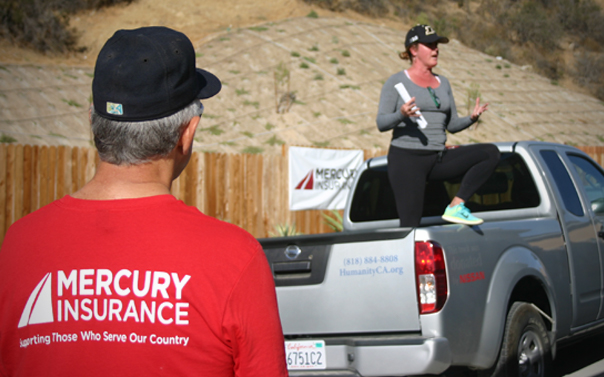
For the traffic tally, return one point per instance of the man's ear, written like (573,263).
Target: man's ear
(188,135)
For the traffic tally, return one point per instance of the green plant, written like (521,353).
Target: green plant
(258,28)
(256,104)
(241,91)
(341,72)
(247,133)
(312,14)
(345,53)
(295,54)
(318,76)
(304,65)
(285,230)
(284,97)
(334,220)
(213,130)
(72,103)
(472,93)
(274,140)
(315,47)
(252,150)
(281,74)
(333,61)
(7,139)
(269,126)
(310,60)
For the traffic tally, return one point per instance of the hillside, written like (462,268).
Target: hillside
(337,64)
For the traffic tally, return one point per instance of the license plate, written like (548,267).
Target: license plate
(307,354)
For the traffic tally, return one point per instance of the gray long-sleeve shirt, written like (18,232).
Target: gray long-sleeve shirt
(406,133)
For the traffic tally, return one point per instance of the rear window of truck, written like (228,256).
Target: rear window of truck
(511,186)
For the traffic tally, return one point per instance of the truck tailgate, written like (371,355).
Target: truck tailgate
(361,282)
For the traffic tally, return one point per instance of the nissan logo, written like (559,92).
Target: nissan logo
(292,252)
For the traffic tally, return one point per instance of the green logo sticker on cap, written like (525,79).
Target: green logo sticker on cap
(115,108)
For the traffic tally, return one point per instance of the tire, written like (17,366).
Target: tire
(526,348)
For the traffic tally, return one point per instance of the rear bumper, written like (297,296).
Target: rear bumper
(382,356)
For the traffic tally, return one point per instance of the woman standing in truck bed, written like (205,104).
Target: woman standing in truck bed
(417,153)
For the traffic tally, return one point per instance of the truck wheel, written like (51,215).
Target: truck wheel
(526,349)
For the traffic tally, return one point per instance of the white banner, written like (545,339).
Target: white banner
(321,178)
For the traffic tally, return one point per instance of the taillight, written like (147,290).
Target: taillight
(431,276)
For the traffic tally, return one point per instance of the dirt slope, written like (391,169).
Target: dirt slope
(336,63)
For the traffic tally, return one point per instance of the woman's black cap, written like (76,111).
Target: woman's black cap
(423,34)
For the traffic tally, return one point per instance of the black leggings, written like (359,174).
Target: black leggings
(409,169)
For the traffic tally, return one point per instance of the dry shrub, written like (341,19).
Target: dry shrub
(374,8)
(551,66)
(531,23)
(44,24)
(522,31)
(484,37)
(589,72)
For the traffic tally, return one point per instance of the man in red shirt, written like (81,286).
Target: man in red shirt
(120,278)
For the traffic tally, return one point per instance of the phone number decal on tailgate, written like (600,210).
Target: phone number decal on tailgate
(308,354)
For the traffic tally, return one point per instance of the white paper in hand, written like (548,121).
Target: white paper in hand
(400,88)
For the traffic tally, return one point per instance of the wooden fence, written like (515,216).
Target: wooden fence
(247,189)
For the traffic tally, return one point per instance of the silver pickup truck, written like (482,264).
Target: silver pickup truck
(497,299)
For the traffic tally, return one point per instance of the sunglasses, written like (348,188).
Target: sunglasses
(434,97)
(200,111)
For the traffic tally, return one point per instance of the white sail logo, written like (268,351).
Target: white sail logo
(39,305)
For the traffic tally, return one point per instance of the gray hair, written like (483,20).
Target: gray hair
(134,143)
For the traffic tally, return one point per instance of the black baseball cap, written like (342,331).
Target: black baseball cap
(148,73)
(423,34)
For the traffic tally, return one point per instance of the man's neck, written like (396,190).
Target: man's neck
(127,182)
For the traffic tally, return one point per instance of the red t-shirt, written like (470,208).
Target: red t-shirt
(129,287)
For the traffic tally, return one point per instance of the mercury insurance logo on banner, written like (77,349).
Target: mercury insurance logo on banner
(321,178)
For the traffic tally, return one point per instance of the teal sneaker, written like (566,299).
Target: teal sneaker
(461,215)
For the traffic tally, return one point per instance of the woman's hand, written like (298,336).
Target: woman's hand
(409,109)
(478,110)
